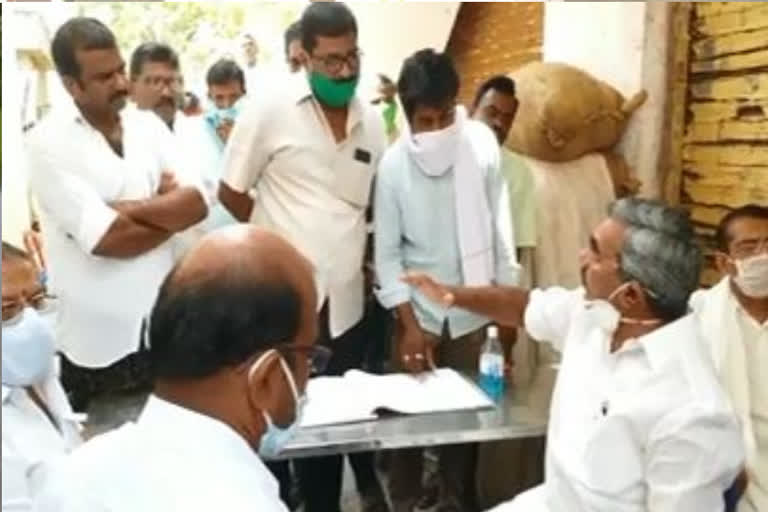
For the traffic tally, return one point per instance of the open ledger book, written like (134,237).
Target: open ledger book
(358,396)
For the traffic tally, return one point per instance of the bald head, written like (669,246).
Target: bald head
(243,253)
(239,292)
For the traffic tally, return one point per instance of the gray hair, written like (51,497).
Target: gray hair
(660,252)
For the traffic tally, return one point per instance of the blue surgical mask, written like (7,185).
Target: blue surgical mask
(28,348)
(275,437)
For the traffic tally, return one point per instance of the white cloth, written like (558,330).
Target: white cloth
(738,347)
(308,188)
(74,174)
(472,148)
(646,428)
(30,440)
(171,459)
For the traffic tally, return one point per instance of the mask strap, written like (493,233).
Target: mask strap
(633,321)
(285,368)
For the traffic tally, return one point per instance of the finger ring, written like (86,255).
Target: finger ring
(419,357)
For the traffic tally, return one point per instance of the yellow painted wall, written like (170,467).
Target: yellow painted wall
(725,146)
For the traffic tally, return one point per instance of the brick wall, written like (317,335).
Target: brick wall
(494,37)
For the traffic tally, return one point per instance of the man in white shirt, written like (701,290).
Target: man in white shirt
(38,422)
(294,55)
(733,316)
(109,204)
(300,161)
(638,421)
(156,82)
(233,333)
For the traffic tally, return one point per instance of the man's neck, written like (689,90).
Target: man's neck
(756,308)
(625,333)
(210,397)
(337,120)
(104,123)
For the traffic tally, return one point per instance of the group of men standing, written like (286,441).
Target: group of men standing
(126,184)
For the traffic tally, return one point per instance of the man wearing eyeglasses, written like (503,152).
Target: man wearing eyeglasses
(38,423)
(733,316)
(232,346)
(300,161)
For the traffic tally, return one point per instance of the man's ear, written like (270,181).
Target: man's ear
(264,382)
(723,264)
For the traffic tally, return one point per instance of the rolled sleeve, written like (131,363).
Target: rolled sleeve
(388,254)
(246,153)
(69,202)
(694,455)
(550,312)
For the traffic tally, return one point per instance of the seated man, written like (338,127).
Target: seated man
(733,317)
(638,421)
(232,345)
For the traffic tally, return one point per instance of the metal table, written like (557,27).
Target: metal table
(513,418)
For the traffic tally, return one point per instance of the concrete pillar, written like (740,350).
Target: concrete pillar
(625,45)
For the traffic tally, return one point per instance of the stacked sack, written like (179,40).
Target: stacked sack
(566,125)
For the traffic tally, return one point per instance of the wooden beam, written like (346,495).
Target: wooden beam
(727,131)
(707,9)
(729,186)
(749,86)
(745,155)
(738,42)
(671,160)
(715,111)
(754,16)
(708,215)
(737,62)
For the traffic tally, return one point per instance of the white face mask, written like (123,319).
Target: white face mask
(605,315)
(752,276)
(28,349)
(435,152)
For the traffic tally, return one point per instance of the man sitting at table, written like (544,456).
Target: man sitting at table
(232,345)
(638,421)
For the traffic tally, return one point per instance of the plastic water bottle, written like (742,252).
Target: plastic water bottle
(492,365)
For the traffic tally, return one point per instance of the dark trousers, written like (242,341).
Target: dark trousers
(129,374)
(320,478)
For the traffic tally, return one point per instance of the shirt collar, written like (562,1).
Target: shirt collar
(661,345)
(303,92)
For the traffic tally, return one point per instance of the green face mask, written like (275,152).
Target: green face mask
(334,93)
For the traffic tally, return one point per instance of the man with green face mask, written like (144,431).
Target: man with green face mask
(300,161)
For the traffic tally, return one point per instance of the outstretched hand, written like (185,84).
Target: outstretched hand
(435,291)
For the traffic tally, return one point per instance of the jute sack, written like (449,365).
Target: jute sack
(565,113)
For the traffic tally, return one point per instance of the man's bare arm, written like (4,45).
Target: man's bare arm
(504,305)
(128,239)
(173,212)
(239,204)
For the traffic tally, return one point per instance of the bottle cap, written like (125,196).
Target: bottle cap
(493,331)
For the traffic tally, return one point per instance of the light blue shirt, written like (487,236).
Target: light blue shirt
(415,230)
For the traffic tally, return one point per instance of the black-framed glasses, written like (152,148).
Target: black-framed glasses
(41,302)
(334,63)
(317,356)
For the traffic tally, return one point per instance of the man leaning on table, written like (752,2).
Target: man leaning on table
(638,421)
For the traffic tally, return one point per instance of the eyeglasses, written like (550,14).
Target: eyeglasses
(335,63)
(317,356)
(41,302)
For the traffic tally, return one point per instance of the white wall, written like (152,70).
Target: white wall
(625,45)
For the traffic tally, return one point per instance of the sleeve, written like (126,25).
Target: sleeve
(693,457)
(67,199)
(246,154)
(181,153)
(16,493)
(388,233)
(550,313)
(505,257)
